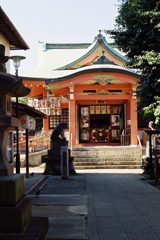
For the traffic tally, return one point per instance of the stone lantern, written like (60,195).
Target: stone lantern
(11,185)
(9,87)
(15,210)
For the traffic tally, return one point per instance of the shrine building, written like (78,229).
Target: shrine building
(90,87)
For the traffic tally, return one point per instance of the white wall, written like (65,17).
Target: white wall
(7,51)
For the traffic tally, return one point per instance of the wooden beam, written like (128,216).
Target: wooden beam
(122,87)
(61,91)
(107,102)
(29,83)
(103,97)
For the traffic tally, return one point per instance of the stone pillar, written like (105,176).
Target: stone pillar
(64,162)
(134,123)
(72,121)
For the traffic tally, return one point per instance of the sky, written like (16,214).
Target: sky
(57,21)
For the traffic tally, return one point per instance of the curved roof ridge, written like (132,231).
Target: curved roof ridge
(59,75)
(65,75)
(113,52)
(97,40)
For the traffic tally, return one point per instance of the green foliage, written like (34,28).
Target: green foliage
(146,165)
(137,33)
(153,110)
(21,100)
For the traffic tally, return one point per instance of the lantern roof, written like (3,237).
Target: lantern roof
(11,86)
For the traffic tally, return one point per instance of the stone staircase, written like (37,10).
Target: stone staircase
(106,157)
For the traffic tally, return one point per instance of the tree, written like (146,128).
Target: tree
(137,33)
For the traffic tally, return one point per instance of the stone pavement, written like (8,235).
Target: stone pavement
(98,205)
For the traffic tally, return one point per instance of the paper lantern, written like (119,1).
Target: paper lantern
(30,103)
(27,122)
(53,112)
(36,103)
(59,111)
(46,103)
(52,103)
(48,111)
(58,102)
(41,103)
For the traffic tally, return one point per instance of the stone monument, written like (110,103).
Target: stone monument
(53,158)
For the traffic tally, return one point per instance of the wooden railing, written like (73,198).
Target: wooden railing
(140,145)
(35,143)
(125,139)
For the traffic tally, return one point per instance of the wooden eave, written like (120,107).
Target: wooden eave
(10,33)
(88,74)
(25,109)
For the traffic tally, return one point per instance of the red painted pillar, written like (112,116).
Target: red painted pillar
(72,122)
(45,121)
(134,124)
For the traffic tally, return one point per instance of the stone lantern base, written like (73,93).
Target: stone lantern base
(15,211)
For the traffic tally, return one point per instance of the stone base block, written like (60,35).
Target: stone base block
(15,219)
(54,168)
(36,230)
(12,190)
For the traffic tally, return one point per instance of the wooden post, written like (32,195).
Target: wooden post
(150,154)
(27,155)
(156,175)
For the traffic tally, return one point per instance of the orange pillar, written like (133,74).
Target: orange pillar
(72,122)
(46,124)
(134,124)
(45,121)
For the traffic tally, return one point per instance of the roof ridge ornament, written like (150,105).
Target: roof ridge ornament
(100,38)
(103,60)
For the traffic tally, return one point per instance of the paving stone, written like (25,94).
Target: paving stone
(93,235)
(137,227)
(66,228)
(109,222)
(148,236)
(119,206)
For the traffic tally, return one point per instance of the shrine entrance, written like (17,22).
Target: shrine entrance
(101,124)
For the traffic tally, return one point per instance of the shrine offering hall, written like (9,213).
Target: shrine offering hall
(89,86)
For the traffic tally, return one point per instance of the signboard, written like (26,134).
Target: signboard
(103,109)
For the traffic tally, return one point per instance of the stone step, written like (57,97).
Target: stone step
(108,167)
(101,163)
(102,155)
(107,159)
(105,148)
